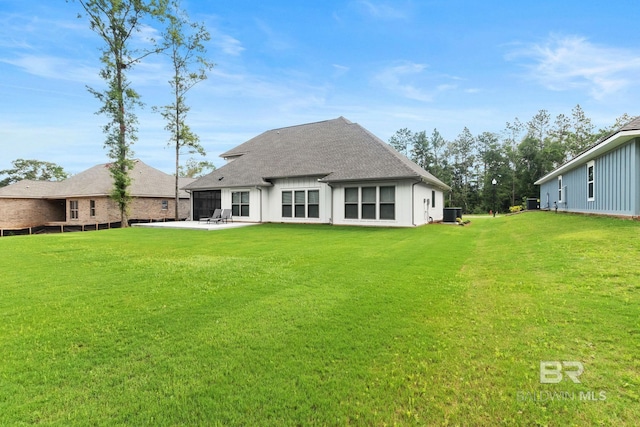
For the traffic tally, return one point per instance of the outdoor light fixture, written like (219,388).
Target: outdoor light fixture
(494,182)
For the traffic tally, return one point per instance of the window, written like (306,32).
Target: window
(92,208)
(351,202)
(301,204)
(560,189)
(590,181)
(433,198)
(368,203)
(313,204)
(387,202)
(165,205)
(286,204)
(240,203)
(73,209)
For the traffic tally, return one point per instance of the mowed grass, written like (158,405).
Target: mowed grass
(319,325)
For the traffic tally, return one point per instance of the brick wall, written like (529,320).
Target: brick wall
(23,213)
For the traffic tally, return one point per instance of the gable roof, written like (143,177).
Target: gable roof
(97,181)
(615,139)
(332,150)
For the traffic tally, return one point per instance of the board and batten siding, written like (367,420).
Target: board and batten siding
(272,197)
(616,186)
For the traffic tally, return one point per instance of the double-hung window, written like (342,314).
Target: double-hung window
(375,203)
(240,203)
(591,195)
(73,209)
(287,204)
(92,208)
(299,200)
(351,202)
(301,204)
(313,204)
(369,202)
(387,202)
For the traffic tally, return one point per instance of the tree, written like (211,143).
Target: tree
(582,136)
(420,150)
(538,126)
(184,46)
(32,169)
(512,135)
(117,22)
(462,151)
(440,167)
(402,140)
(195,169)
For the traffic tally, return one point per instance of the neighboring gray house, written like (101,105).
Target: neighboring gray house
(604,179)
(330,172)
(83,199)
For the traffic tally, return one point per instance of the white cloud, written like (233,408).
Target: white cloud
(339,70)
(227,44)
(53,67)
(380,10)
(273,40)
(409,79)
(573,62)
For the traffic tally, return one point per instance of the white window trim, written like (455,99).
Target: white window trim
(591,164)
(560,189)
(240,204)
(377,203)
(306,204)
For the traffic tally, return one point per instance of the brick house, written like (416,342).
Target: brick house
(84,199)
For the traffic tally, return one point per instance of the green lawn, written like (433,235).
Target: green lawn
(320,325)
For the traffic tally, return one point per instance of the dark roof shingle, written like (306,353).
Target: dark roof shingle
(97,181)
(333,150)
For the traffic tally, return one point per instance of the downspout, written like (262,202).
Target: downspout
(261,202)
(413,203)
(190,204)
(330,203)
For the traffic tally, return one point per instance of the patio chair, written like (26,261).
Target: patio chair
(215,216)
(225,216)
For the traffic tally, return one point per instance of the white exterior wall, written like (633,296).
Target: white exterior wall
(423,206)
(412,202)
(255,204)
(403,204)
(272,197)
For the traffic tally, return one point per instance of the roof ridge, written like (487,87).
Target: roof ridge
(313,123)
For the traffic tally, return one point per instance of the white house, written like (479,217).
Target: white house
(330,172)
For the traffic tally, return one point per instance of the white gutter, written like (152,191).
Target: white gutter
(612,142)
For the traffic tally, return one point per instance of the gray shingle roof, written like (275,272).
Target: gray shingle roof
(333,150)
(97,181)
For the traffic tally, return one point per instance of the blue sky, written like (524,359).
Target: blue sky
(383,64)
